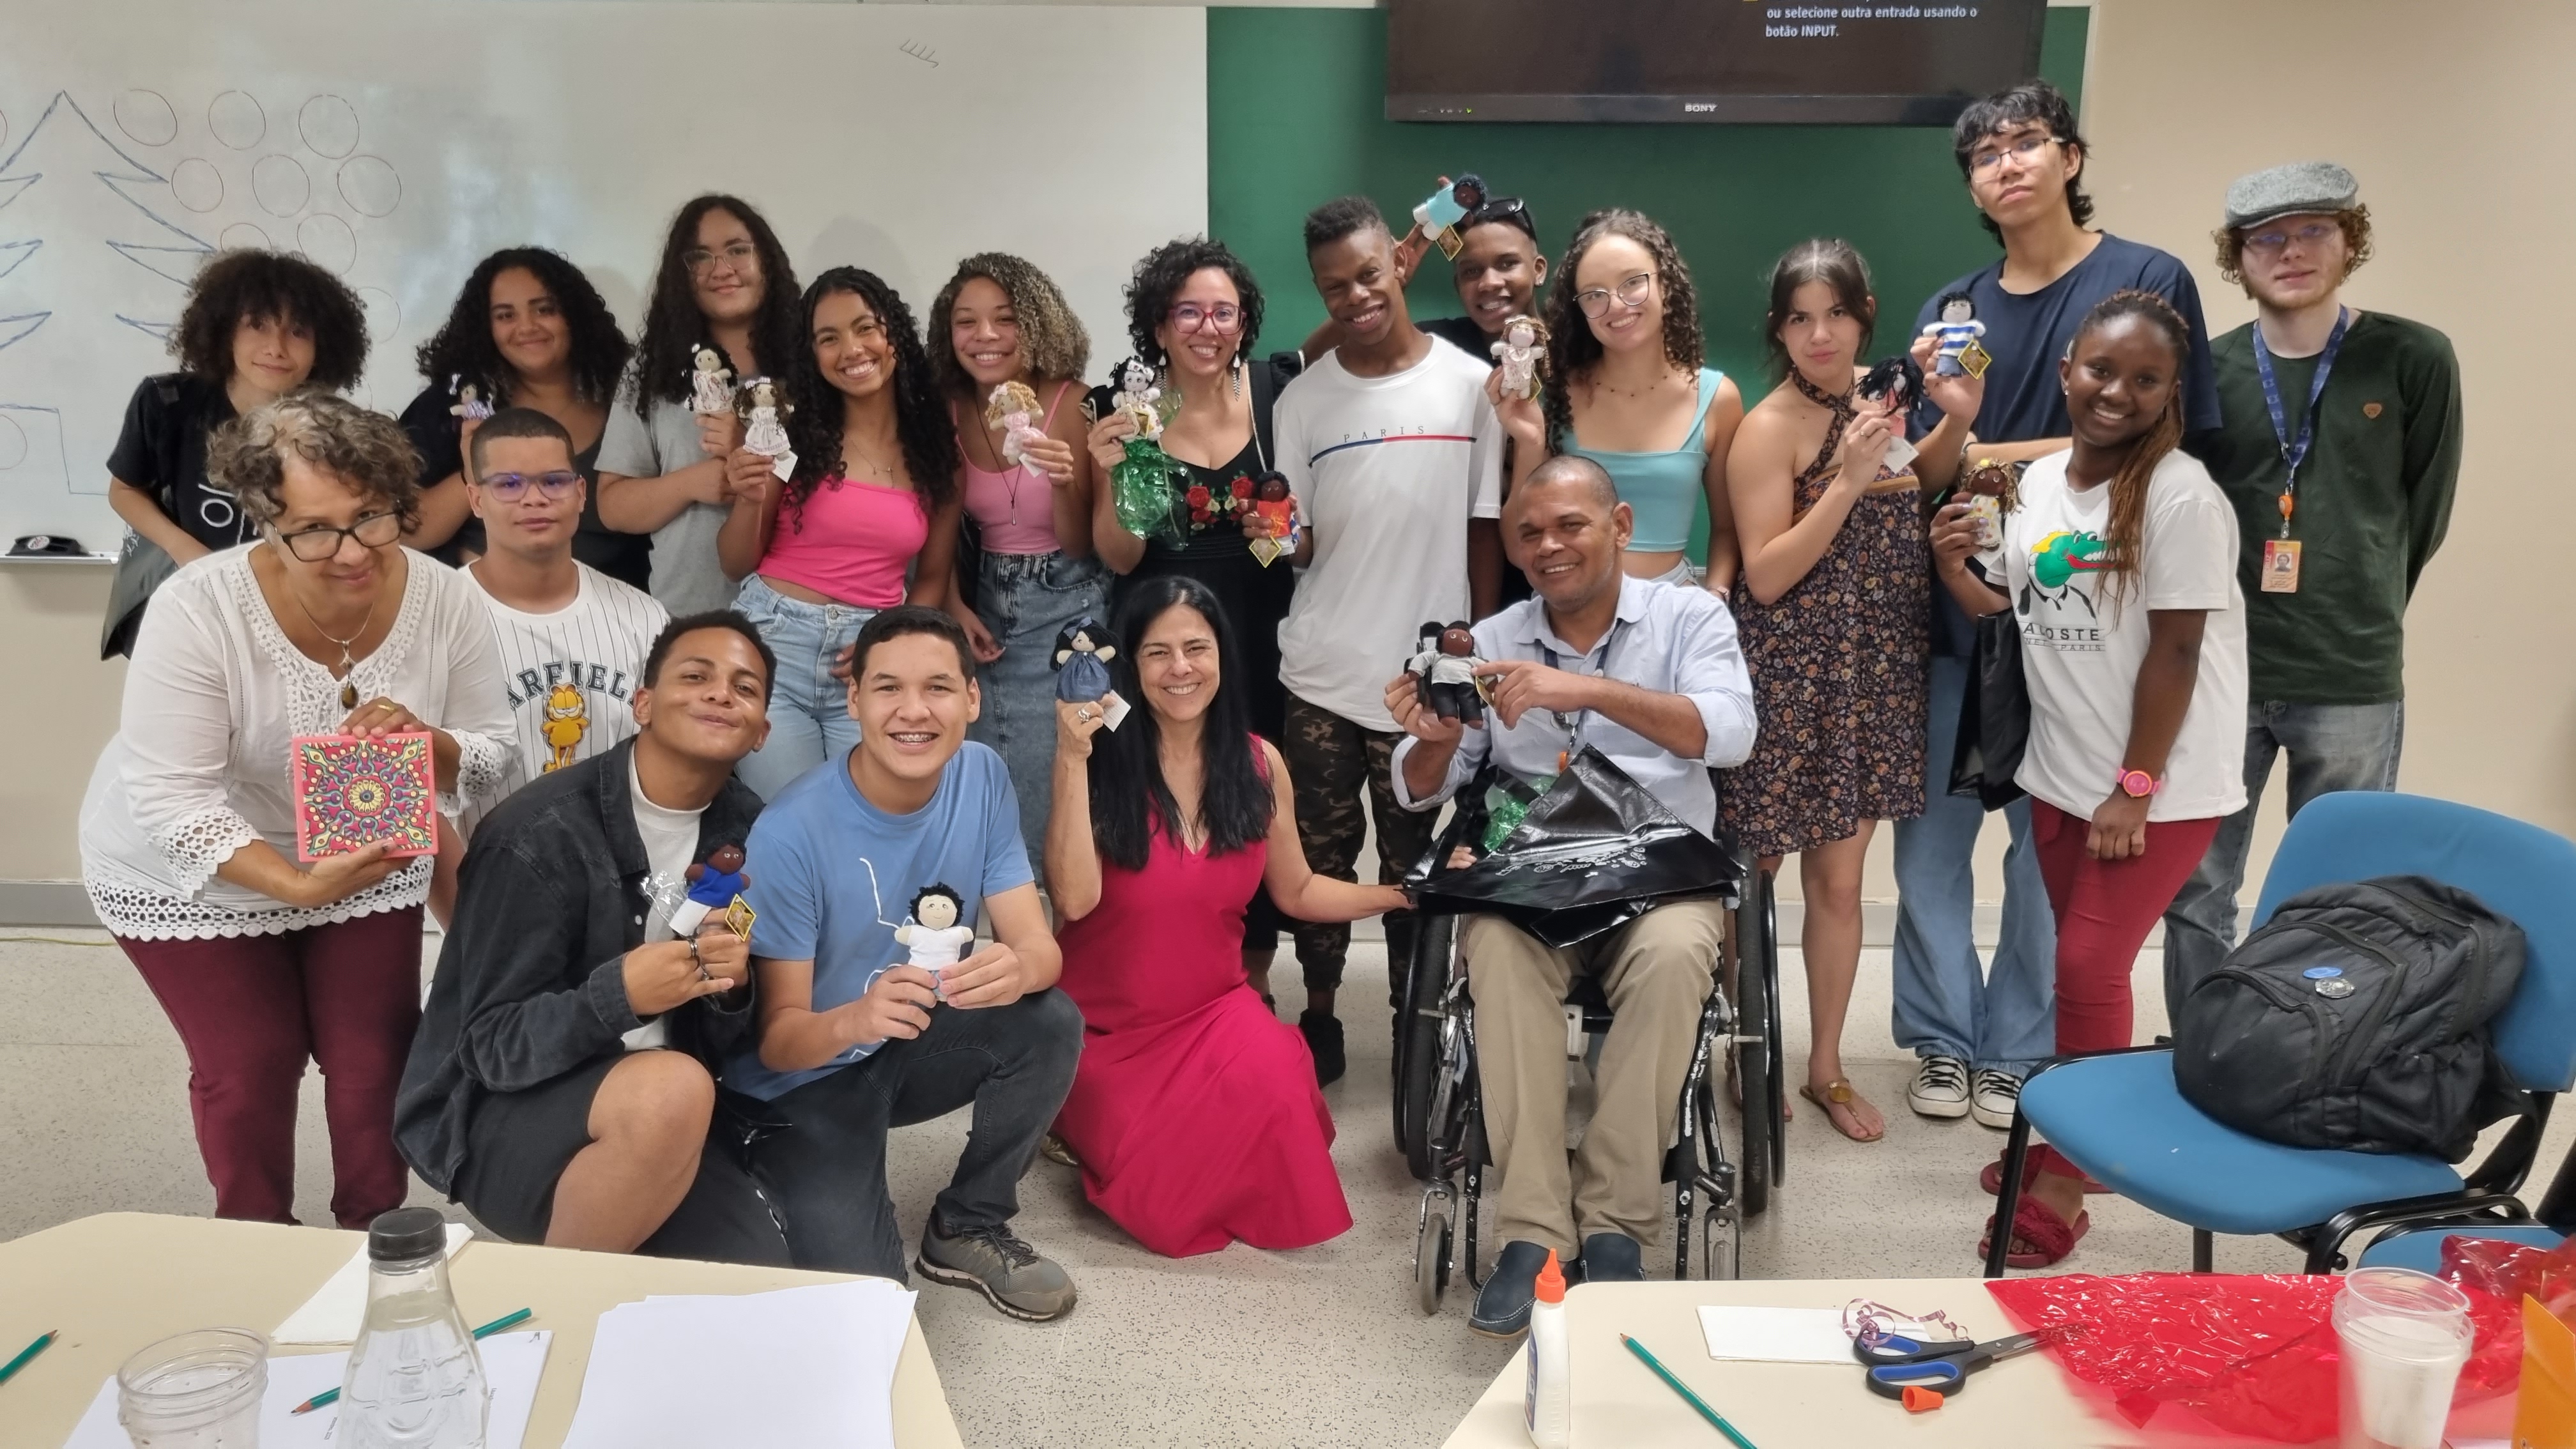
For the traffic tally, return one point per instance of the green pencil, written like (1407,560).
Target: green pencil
(30,1351)
(506,1320)
(1683,1389)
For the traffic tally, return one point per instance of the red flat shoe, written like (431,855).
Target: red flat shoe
(1990,1181)
(2038,1224)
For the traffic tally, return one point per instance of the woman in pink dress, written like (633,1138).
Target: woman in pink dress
(1195,1112)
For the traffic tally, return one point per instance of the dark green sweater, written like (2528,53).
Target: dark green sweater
(2374,499)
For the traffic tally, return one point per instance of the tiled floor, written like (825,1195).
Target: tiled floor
(1321,1347)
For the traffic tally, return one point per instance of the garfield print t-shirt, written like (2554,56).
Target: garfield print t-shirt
(569,676)
(2082,644)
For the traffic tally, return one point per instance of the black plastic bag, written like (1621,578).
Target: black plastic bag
(1994,717)
(1597,851)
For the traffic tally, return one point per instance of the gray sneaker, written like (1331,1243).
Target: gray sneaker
(1008,1272)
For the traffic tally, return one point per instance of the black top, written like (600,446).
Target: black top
(162,450)
(1461,333)
(531,982)
(434,431)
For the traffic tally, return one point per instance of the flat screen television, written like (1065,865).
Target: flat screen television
(1808,61)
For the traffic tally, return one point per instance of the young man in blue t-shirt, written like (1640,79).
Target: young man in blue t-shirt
(1977,1034)
(853,1040)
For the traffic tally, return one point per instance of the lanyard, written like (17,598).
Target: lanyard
(1581,719)
(2294,453)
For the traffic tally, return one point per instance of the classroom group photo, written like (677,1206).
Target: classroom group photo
(784,770)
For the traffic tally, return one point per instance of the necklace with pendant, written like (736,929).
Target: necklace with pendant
(348,665)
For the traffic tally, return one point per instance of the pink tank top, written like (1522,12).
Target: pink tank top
(855,543)
(1015,508)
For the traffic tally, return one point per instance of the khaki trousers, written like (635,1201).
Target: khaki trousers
(1655,972)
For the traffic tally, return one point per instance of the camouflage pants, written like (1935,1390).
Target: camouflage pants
(1331,762)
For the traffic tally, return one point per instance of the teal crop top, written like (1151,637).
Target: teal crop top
(1663,489)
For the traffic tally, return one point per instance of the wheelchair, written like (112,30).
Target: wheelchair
(1439,1121)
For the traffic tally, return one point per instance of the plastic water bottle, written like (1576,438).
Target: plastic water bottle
(414,1379)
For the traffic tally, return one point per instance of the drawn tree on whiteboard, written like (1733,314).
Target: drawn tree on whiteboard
(88,256)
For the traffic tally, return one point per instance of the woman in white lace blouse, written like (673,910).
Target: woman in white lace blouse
(188,851)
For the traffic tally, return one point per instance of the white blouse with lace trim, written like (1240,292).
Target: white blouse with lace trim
(198,768)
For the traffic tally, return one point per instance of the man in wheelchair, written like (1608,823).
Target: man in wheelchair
(1649,674)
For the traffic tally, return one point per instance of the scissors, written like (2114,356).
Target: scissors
(1897,1363)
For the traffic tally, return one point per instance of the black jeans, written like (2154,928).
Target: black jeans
(827,1170)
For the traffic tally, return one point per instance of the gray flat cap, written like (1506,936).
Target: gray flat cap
(2300,188)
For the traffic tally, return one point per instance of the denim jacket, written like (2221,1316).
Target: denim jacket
(531,982)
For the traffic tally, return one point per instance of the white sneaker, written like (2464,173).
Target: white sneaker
(1941,1088)
(1992,1100)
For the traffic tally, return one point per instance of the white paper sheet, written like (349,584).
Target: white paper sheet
(512,1364)
(335,1310)
(1777,1335)
(800,1368)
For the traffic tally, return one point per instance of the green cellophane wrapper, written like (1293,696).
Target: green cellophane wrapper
(1505,806)
(1141,488)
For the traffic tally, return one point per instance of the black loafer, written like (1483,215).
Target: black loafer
(1613,1258)
(1503,1305)
(1323,1033)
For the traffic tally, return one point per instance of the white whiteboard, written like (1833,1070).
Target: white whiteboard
(398,144)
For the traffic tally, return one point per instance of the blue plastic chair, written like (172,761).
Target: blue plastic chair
(2119,1116)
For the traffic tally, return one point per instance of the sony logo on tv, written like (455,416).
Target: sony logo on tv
(1694,108)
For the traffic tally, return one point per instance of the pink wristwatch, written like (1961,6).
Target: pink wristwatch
(2138,784)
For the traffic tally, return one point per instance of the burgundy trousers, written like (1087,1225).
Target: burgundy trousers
(251,1010)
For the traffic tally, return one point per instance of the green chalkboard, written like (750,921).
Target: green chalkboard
(1296,116)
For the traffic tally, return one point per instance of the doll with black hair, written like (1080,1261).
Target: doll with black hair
(1957,351)
(1444,673)
(936,937)
(1082,655)
(1895,383)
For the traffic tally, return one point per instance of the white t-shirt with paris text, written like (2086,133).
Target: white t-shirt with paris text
(2082,647)
(1387,471)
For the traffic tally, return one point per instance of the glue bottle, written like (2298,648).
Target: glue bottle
(1550,1410)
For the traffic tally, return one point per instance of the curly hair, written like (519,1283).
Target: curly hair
(1572,348)
(464,346)
(920,418)
(1161,274)
(2029,101)
(2126,530)
(665,354)
(1838,265)
(361,447)
(250,285)
(1053,342)
(2356,245)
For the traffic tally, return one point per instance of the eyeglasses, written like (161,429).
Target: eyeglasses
(737,255)
(2271,243)
(511,487)
(2025,149)
(1224,319)
(1632,293)
(313,545)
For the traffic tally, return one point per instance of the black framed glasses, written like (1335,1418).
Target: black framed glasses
(313,545)
(2022,148)
(1632,292)
(511,487)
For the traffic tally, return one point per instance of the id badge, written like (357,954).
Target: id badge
(2280,565)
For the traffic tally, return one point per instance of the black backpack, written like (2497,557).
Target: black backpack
(2356,1019)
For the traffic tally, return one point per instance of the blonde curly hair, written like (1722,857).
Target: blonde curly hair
(363,448)
(1053,343)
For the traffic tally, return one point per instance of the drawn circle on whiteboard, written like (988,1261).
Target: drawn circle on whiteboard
(242,236)
(330,126)
(370,185)
(384,314)
(13,443)
(146,118)
(327,242)
(237,120)
(4,128)
(197,184)
(280,183)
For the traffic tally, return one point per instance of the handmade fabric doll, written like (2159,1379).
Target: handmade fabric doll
(711,385)
(713,884)
(1444,673)
(934,936)
(1279,511)
(1523,355)
(766,433)
(1960,353)
(470,405)
(1082,655)
(1014,409)
(1897,383)
(1143,486)
(1992,489)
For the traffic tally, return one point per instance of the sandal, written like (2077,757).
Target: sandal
(1052,1148)
(1837,1093)
(2047,1235)
(1991,1180)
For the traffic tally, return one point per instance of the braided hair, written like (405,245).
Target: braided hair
(1571,346)
(2124,557)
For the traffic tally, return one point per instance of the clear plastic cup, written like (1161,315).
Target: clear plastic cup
(2405,1335)
(198,1390)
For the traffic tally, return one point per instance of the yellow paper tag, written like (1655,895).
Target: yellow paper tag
(1974,360)
(1450,243)
(2280,565)
(738,918)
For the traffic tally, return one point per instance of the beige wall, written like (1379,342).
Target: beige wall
(2445,113)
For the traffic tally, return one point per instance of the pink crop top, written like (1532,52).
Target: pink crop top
(1015,508)
(856,542)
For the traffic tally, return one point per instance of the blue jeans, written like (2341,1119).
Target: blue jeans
(2006,1018)
(1026,599)
(2332,747)
(809,710)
